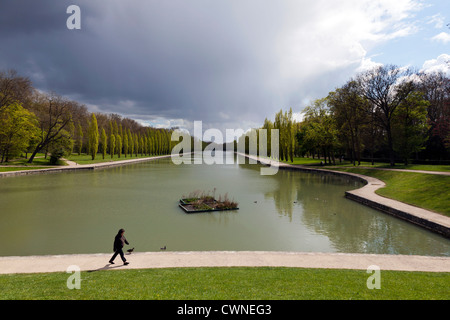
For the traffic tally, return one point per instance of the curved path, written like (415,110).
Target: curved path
(143,260)
(367,195)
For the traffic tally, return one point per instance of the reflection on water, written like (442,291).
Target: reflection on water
(350,227)
(291,211)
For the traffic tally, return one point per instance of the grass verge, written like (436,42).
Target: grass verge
(262,283)
(7,169)
(427,191)
(87,159)
(39,162)
(347,164)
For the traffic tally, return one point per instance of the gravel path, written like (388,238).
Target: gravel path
(143,260)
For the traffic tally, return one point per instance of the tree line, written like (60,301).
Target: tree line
(32,121)
(387,112)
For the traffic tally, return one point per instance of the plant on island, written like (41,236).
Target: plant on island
(199,200)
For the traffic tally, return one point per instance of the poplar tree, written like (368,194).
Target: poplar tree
(149,145)
(136,144)
(130,143)
(119,145)
(112,144)
(125,144)
(104,138)
(145,144)
(93,136)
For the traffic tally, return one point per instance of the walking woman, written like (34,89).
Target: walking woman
(119,242)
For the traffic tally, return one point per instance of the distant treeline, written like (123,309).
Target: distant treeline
(387,112)
(32,122)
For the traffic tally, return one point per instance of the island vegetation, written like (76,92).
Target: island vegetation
(200,201)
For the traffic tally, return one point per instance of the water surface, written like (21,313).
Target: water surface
(80,212)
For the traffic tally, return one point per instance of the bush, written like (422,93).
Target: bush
(56,154)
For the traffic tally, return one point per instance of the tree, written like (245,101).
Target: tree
(145,144)
(319,130)
(112,144)
(79,138)
(136,144)
(118,145)
(410,125)
(350,111)
(61,146)
(93,136)
(149,143)
(14,88)
(436,90)
(130,143)
(125,144)
(268,126)
(18,127)
(386,87)
(54,116)
(104,139)
(280,124)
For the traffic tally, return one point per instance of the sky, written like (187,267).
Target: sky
(227,63)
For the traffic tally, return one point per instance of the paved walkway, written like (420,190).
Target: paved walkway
(367,195)
(441,173)
(71,166)
(97,262)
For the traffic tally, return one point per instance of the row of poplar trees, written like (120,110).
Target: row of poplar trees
(116,140)
(32,122)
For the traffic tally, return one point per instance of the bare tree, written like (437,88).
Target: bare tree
(14,88)
(55,116)
(386,87)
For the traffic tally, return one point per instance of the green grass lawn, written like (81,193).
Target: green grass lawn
(424,167)
(87,159)
(39,160)
(427,191)
(262,283)
(6,169)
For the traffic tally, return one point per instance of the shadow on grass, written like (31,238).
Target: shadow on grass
(107,266)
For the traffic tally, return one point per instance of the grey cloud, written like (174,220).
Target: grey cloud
(193,60)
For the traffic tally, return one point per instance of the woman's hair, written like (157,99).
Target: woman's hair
(121,231)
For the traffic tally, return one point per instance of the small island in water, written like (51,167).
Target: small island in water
(199,201)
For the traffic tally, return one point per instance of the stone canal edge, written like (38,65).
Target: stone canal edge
(366,195)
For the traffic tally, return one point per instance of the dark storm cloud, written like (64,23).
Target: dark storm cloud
(30,16)
(217,61)
(176,59)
